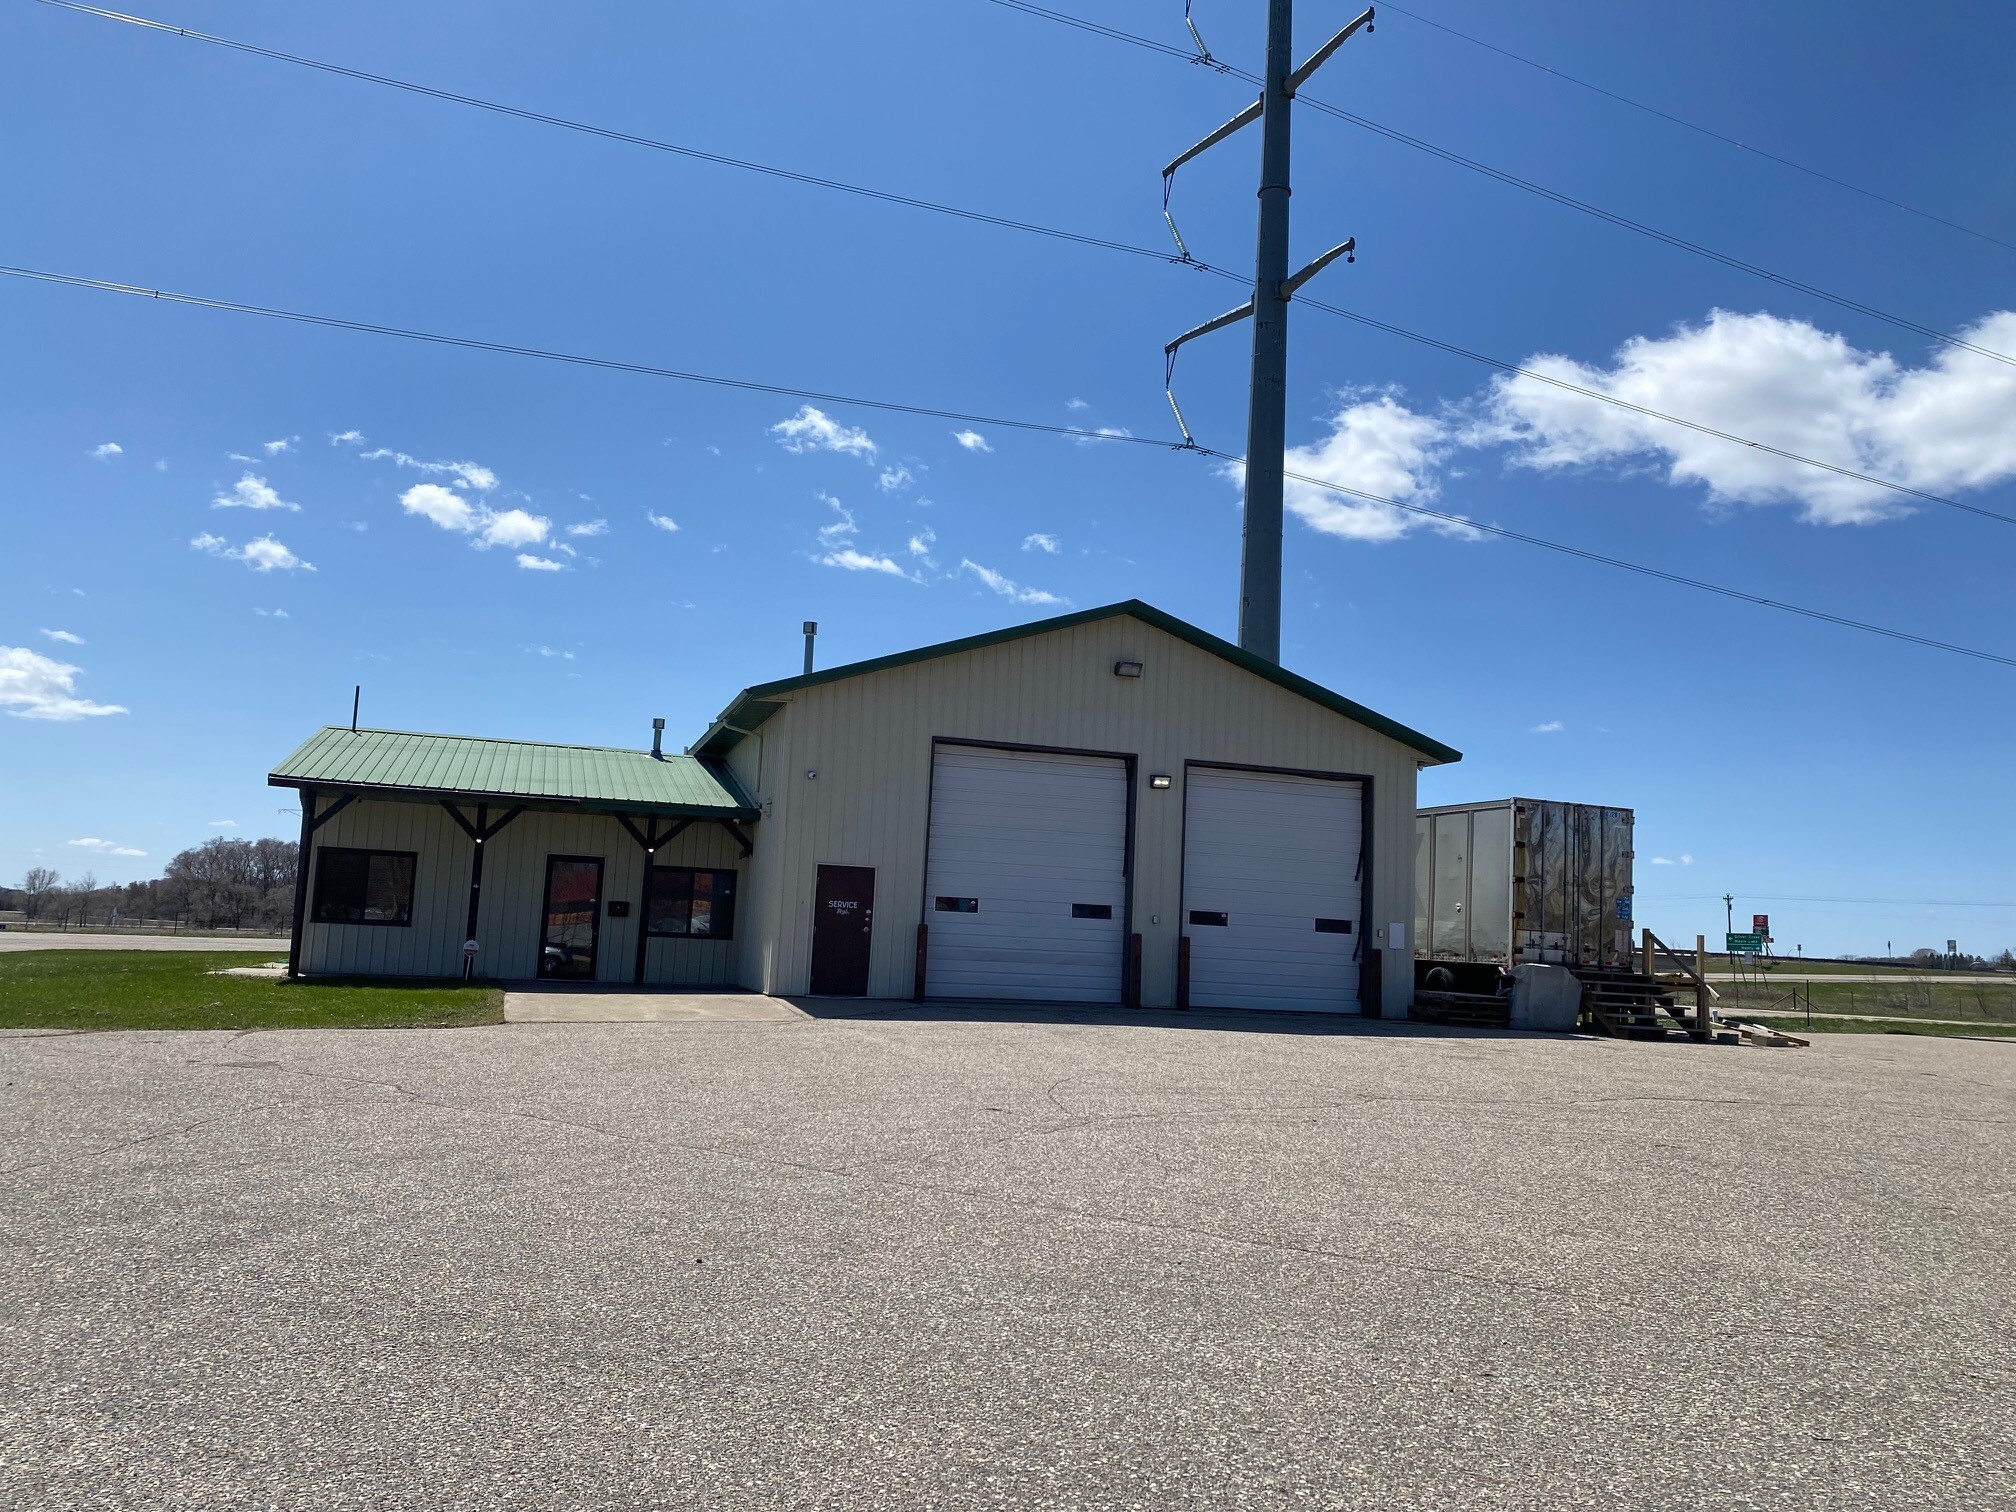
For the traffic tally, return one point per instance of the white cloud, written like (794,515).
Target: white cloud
(251,492)
(589,528)
(223,824)
(1007,587)
(262,555)
(1106,432)
(346,438)
(860,561)
(33,686)
(1551,727)
(473,474)
(160,464)
(511,527)
(1076,404)
(1949,425)
(268,555)
(972,440)
(894,478)
(840,529)
(548,651)
(107,847)
(921,543)
(813,430)
(238,457)
(1378,446)
(443,506)
(107,450)
(271,613)
(540,564)
(1669,861)
(1041,541)
(274,448)
(65,636)
(663,522)
(836,545)
(486,527)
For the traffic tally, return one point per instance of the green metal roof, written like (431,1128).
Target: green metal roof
(753,705)
(603,779)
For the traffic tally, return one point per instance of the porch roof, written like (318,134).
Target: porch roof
(596,779)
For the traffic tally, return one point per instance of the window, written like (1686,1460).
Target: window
(364,886)
(685,902)
(1091,910)
(1333,926)
(1205,916)
(958,905)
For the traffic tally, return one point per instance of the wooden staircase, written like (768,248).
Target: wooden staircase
(1629,1004)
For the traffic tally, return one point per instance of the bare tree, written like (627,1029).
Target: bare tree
(38,884)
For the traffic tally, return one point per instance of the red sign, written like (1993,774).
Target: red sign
(1760,924)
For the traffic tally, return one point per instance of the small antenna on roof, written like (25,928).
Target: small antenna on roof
(356,702)
(811,634)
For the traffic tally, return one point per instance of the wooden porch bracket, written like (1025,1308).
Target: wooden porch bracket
(650,841)
(310,823)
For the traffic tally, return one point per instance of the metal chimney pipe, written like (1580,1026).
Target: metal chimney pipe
(811,633)
(657,740)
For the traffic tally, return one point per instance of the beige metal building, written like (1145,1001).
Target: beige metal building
(1110,806)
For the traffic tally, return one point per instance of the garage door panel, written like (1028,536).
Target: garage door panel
(1024,836)
(1273,854)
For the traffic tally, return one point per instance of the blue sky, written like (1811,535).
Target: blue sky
(490,537)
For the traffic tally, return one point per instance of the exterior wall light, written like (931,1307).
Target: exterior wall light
(1159,781)
(1126,669)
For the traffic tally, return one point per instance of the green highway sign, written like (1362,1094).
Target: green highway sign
(1744,944)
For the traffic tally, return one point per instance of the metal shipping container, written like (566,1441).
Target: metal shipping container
(1523,879)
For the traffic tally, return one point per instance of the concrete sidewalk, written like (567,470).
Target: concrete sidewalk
(571,1003)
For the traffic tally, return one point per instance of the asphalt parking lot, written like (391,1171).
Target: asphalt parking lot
(1179,1262)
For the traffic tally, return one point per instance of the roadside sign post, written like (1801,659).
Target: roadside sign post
(1743,944)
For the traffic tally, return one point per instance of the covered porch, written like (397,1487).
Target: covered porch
(442,856)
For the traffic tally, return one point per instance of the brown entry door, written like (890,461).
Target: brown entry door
(843,923)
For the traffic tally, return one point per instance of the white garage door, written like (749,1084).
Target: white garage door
(1271,890)
(1026,886)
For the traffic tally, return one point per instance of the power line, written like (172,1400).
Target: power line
(1695,126)
(611,364)
(1034,228)
(608,133)
(1568,201)
(1076,432)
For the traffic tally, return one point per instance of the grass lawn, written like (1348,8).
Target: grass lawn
(1799,966)
(1989,1000)
(145,989)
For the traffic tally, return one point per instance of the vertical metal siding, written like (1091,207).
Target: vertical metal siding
(869,738)
(514,880)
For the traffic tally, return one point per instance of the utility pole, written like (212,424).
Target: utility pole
(1267,410)
(1273,287)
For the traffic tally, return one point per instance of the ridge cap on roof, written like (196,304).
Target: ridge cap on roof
(546,745)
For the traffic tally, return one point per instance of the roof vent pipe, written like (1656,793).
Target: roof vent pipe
(811,633)
(657,740)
